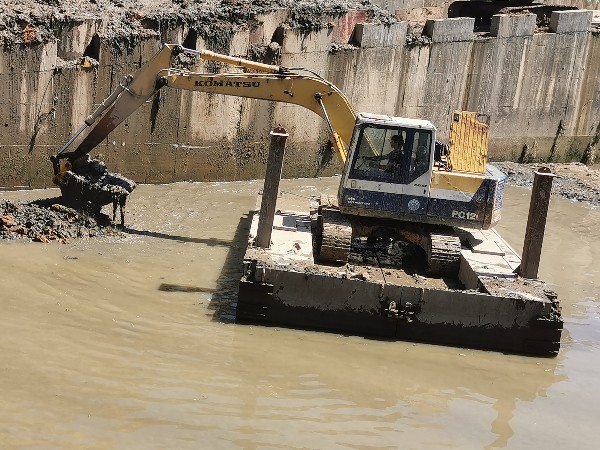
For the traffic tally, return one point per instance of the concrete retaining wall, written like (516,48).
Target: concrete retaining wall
(539,89)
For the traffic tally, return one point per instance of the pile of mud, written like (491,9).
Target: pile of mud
(48,220)
(27,21)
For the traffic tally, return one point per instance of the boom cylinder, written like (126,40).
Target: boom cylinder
(207,55)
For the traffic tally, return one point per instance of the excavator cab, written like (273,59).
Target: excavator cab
(389,167)
(397,185)
(396,170)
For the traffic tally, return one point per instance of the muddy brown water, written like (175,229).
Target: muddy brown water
(128,343)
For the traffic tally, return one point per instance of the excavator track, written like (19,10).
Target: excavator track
(336,237)
(443,253)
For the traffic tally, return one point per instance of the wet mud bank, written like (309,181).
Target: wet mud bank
(49,220)
(574,181)
(61,59)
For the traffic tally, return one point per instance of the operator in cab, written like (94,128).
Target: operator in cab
(395,156)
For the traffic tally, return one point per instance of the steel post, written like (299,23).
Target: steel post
(271,187)
(536,223)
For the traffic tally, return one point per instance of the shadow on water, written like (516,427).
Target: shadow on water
(211,242)
(224,295)
(168,287)
(224,300)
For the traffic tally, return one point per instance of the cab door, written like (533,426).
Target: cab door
(384,179)
(418,166)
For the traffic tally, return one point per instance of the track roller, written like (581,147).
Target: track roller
(336,237)
(443,254)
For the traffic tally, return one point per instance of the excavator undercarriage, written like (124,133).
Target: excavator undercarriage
(341,238)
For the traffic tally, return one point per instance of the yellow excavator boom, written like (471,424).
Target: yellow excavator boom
(272,82)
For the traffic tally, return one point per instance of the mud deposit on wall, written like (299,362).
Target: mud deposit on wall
(127,22)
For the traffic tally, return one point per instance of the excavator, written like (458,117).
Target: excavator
(397,181)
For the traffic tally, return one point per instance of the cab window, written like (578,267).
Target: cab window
(392,155)
(420,155)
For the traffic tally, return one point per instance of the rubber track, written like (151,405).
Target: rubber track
(443,254)
(336,238)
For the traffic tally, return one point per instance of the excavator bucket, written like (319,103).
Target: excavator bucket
(89,186)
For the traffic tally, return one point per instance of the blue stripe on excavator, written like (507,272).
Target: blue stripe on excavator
(384,201)
(474,213)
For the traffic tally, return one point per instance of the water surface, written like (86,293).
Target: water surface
(128,343)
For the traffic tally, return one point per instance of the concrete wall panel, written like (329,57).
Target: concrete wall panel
(450,30)
(262,31)
(376,75)
(344,26)
(76,37)
(529,85)
(571,21)
(370,35)
(511,25)
(447,75)
(240,43)
(589,90)
(296,42)
(411,90)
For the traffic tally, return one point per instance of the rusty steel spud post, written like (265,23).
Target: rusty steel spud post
(271,187)
(536,223)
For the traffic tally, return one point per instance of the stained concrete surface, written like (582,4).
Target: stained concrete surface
(60,61)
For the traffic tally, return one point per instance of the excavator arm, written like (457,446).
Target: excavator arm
(272,83)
